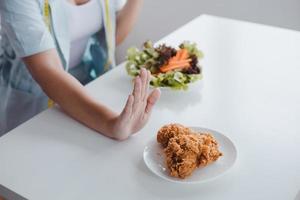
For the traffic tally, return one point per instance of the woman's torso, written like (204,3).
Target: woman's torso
(21,96)
(80,30)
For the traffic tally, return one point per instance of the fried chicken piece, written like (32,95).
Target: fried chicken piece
(181,155)
(186,150)
(209,149)
(170,131)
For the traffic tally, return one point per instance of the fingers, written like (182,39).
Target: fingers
(140,91)
(137,88)
(137,93)
(152,99)
(147,85)
(144,78)
(127,111)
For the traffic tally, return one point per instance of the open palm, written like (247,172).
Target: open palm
(137,109)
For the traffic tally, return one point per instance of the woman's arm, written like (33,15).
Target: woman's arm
(24,25)
(126,19)
(71,96)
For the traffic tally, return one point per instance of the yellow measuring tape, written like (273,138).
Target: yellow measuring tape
(47,20)
(109,35)
(47,14)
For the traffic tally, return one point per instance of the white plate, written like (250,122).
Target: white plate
(155,161)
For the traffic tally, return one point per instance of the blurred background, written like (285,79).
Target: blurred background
(160,17)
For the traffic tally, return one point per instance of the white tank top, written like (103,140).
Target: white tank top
(84,21)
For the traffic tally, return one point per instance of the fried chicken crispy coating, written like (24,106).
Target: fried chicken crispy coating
(186,150)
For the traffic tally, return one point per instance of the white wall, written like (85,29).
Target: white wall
(160,17)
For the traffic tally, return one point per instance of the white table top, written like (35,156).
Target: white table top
(251,93)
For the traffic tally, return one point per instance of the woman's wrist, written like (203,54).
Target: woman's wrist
(100,118)
(115,130)
(111,127)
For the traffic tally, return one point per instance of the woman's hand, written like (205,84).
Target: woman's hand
(137,110)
